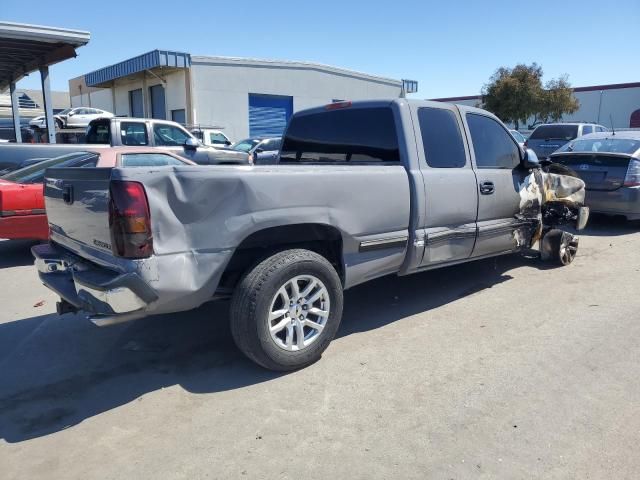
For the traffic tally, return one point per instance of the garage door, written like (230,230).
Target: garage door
(268,114)
(158,106)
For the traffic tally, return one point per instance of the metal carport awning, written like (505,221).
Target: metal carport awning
(26,48)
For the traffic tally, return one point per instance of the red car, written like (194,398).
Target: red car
(22,214)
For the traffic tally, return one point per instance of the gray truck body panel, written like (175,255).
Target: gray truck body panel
(398,219)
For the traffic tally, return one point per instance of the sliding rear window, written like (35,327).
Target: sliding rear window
(343,136)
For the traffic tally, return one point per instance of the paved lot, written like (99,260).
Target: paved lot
(499,369)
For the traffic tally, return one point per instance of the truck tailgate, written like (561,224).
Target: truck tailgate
(77,204)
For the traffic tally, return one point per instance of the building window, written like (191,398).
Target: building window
(179,116)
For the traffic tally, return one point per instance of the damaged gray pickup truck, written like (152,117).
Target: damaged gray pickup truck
(362,190)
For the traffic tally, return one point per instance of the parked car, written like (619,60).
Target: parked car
(211,137)
(610,167)
(40,122)
(520,138)
(22,213)
(549,137)
(80,117)
(352,199)
(8,133)
(119,131)
(263,150)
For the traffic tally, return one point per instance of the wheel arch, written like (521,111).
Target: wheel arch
(322,238)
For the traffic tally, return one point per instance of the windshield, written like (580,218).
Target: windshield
(555,132)
(602,145)
(519,137)
(245,145)
(35,173)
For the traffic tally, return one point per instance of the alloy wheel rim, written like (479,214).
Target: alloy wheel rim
(568,250)
(298,313)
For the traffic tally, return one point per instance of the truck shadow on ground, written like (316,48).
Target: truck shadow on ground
(57,372)
(16,253)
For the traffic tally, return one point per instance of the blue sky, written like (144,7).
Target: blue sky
(451,47)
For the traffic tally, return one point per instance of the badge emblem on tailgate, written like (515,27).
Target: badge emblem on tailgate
(100,244)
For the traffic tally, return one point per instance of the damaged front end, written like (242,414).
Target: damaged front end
(550,197)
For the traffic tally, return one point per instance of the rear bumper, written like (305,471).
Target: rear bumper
(160,284)
(24,227)
(97,291)
(623,201)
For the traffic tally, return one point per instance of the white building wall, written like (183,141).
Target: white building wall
(221,91)
(615,105)
(599,106)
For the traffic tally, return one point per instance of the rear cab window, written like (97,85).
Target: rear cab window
(99,133)
(342,136)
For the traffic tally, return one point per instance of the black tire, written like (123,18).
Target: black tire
(251,303)
(561,247)
(560,169)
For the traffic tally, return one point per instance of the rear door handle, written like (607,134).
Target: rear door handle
(487,188)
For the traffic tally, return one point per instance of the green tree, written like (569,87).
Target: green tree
(557,100)
(516,94)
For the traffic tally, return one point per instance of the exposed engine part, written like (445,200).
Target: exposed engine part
(550,197)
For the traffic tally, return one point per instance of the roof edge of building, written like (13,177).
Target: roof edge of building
(589,88)
(295,64)
(43,33)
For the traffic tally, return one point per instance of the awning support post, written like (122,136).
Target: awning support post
(48,105)
(15,110)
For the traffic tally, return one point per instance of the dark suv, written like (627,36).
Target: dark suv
(549,137)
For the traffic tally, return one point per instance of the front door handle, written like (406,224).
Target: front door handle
(487,188)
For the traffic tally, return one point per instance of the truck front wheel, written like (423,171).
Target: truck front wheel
(286,310)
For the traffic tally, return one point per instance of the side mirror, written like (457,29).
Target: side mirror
(70,114)
(227,143)
(258,150)
(529,159)
(191,144)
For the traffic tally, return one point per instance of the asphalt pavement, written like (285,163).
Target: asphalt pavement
(503,368)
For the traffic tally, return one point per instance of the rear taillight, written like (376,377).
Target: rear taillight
(129,220)
(632,179)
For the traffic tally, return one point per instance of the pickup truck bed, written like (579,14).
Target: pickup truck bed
(362,190)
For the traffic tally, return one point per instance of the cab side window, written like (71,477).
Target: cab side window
(169,136)
(492,144)
(441,138)
(217,138)
(133,133)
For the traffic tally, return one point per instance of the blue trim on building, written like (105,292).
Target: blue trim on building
(146,61)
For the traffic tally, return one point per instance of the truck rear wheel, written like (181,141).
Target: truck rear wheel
(286,310)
